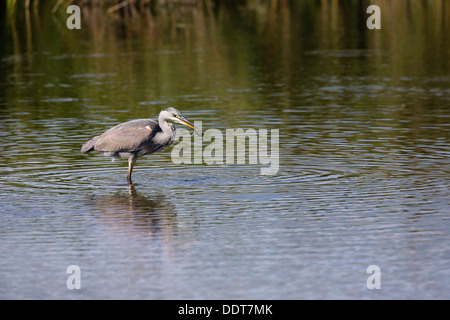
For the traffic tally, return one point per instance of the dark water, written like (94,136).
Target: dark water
(364,120)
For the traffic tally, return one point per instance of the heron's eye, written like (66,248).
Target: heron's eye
(175,115)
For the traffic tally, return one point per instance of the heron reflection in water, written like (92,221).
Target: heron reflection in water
(137,138)
(133,211)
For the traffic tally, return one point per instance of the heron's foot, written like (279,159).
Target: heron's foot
(129,179)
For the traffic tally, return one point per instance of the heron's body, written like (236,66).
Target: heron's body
(137,138)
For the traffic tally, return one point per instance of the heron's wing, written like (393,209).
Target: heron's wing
(127,137)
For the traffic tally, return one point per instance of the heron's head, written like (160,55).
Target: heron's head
(174,115)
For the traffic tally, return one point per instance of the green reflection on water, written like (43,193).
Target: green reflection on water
(310,67)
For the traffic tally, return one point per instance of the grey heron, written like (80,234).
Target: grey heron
(137,138)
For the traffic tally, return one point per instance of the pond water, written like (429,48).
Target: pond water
(363,179)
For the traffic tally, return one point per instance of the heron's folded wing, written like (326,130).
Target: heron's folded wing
(128,136)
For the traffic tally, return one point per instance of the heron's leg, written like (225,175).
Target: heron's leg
(131,161)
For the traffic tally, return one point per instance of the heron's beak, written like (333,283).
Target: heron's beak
(184,121)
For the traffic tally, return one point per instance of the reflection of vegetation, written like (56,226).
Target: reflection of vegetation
(221,46)
(289,61)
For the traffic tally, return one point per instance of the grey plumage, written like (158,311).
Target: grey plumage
(137,138)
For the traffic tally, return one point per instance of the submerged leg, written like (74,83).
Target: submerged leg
(131,161)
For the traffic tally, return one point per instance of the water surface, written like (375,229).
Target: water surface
(364,157)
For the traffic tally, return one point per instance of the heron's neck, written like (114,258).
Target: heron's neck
(166,127)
